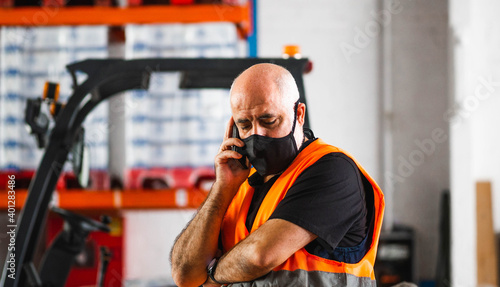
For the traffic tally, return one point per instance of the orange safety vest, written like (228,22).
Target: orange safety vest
(302,268)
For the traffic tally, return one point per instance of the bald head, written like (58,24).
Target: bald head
(264,82)
(264,91)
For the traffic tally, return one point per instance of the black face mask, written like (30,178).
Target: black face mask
(271,155)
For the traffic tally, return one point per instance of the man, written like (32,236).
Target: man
(306,214)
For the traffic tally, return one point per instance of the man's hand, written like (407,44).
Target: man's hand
(229,173)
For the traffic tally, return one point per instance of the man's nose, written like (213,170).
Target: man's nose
(258,130)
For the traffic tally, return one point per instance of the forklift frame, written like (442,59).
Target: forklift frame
(105,78)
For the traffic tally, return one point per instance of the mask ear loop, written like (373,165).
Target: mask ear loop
(295,107)
(294,122)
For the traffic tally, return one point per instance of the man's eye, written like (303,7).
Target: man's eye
(269,123)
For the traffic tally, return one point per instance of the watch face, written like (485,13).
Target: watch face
(211,265)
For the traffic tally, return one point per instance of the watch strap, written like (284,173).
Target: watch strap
(211,270)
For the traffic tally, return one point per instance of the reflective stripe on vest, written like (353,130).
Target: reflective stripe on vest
(307,278)
(302,266)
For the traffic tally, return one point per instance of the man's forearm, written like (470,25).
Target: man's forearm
(197,244)
(241,264)
(262,251)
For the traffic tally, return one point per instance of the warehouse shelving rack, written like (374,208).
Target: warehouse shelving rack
(117,16)
(241,16)
(107,201)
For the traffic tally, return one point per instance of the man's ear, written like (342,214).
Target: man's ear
(301,113)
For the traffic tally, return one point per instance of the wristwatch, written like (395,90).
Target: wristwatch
(211,270)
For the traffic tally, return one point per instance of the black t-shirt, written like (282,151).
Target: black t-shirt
(327,199)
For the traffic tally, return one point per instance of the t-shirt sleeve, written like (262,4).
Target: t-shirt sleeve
(327,199)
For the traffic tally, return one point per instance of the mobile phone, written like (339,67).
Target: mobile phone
(243,159)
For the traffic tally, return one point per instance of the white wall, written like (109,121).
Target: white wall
(341,92)
(420,134)
(149,236)
(474,125)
